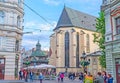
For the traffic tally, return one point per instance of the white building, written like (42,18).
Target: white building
(11,19)
(112,19)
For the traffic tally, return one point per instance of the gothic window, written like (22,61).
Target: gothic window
(67,49)
(2,17)
(118,25)
(87,43)
(18,21)
(77,50)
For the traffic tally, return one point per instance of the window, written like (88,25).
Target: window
(19,2)
(2,17)
(77,50)
(87,43)
(104,1)
(18,21)
(17,45)
(118,25)
(94,61)
(67,49)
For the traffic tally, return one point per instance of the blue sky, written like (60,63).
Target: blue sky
(51,11)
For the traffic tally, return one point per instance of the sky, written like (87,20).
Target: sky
(50,10)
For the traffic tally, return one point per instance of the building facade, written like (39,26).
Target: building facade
(11,19)
(112,37)
(94,65)
(72,36)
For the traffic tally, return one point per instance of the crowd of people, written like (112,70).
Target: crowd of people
(100,77)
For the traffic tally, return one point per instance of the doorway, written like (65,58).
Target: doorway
(2,68)
(117,62)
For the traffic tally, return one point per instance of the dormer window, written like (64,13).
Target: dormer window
(118,25)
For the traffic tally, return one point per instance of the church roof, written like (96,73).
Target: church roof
(74,18)
(38,53)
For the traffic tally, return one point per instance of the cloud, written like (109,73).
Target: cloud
(30,40)
(52,2)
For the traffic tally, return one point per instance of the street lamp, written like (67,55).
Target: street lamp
(27,63)
(66,68)
(84,63)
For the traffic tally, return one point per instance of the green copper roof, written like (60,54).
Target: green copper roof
(38,53)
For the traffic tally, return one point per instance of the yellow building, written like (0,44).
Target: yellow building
(72,35)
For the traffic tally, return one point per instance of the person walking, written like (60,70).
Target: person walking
(81,77)
(41,77)
(26,76)
(109,79)
(104,76)
(62,77)
(99,78)
(31,76)
(88,78)
(20,75)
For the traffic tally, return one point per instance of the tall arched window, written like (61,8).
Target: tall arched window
(77,50)
(2,17)
(67,49)
(87,43)
(18,21)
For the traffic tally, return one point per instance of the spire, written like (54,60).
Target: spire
(38,46)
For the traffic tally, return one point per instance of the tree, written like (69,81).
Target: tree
(100,37)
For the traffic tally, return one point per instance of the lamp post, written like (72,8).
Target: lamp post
(27,63)
(84,63)
(66,68)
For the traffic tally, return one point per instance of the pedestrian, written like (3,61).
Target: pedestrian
(99,78)
(58,78)
(41,77)
(62,77)
(104,76)
(31,76)
(81,77)
(88,78)
(20,75)
(26,76)
(110,79)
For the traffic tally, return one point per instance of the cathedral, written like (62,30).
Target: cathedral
(73,36)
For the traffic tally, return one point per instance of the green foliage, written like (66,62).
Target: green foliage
(27,63)
(84,63)
(100,38)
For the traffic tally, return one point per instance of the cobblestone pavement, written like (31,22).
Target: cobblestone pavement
(55,81)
